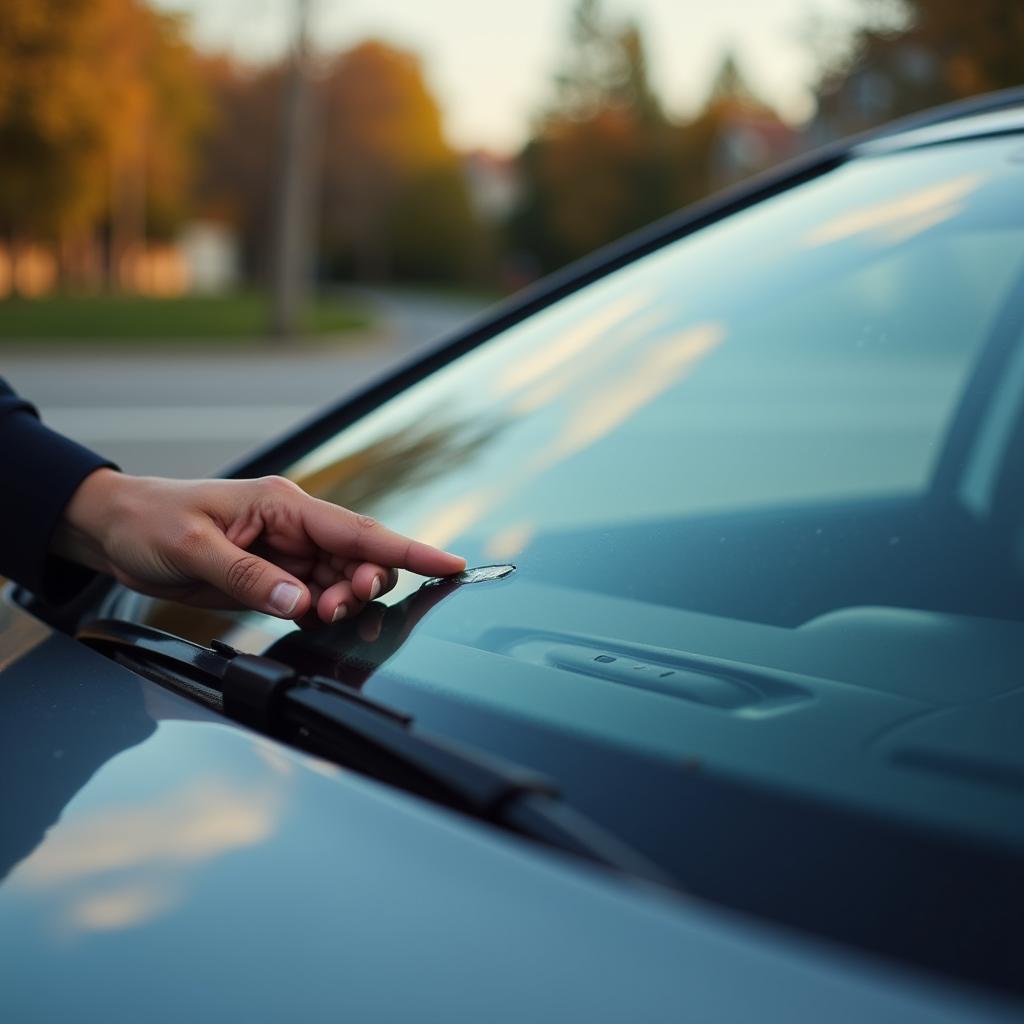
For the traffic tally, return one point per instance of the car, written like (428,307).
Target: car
(725,721)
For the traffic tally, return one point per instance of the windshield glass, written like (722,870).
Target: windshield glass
(761,489)
(807,352)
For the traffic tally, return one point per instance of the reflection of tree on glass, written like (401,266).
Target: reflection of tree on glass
(410,457)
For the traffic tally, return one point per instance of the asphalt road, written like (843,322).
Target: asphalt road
(192,414)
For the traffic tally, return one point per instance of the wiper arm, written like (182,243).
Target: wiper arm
(338,722)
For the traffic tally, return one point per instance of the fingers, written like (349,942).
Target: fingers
(369,581)
(338,602)
(361,538)
(246,578)
(321,560)
(347,597)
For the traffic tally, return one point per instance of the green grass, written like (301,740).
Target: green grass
(236,317)
(482,294)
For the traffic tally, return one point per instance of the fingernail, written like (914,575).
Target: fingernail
(339,613)
(284,597)
(374,587)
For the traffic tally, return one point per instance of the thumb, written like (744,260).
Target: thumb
(250,580)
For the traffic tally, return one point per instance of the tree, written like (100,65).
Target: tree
(603,158)
(733,136)
(53,133)
(393,197)
(99,111)
(177,116)
(238,156)
(390,197)
(911,54)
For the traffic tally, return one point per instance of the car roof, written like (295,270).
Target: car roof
(997,113)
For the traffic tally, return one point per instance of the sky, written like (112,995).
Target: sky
(490,64)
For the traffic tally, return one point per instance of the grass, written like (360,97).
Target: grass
(481,294)
(237,317)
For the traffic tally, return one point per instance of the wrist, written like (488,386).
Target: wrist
(83,533)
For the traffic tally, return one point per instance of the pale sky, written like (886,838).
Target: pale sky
(490,64)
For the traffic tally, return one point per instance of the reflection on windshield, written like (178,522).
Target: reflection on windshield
(352,650)
(605,408)
(766,364)
(769,362)
(572,345)
(897,220)
(416,453)
(598,411)
(509,542)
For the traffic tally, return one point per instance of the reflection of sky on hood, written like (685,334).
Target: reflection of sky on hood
(111,865)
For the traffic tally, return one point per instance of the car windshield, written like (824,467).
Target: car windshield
(761,489)
(802,359)
(762,492)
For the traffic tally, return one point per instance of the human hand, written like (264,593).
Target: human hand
(262,544)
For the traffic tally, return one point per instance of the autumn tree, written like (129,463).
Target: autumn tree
(912,54)
(239,158)
(53,134)
(394,200)
(603,158)
(174,117)
(735,134)
(99,110)
(389,194)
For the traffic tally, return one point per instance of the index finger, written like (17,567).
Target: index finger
(343,532)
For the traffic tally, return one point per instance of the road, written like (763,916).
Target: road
(192,414)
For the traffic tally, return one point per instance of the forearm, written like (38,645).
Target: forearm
(40,471)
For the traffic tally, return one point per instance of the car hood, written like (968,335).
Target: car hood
(163,863)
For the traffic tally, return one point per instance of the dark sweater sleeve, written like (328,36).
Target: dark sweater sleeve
(39,471)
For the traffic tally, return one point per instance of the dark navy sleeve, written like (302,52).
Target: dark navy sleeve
(39,471)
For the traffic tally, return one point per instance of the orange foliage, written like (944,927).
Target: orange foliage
(99,106)
(384,151)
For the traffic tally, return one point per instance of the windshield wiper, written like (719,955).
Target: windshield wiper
(338,722)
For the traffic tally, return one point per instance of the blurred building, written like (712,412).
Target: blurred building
(494,183)
(749,139)
(203,259)
(747,135)
(211,254)
(893,77)
(29,271)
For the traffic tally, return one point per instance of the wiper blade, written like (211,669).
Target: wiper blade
(339,722)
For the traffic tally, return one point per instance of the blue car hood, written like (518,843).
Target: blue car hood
(164,864)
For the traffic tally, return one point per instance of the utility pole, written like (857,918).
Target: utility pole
(292,257)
